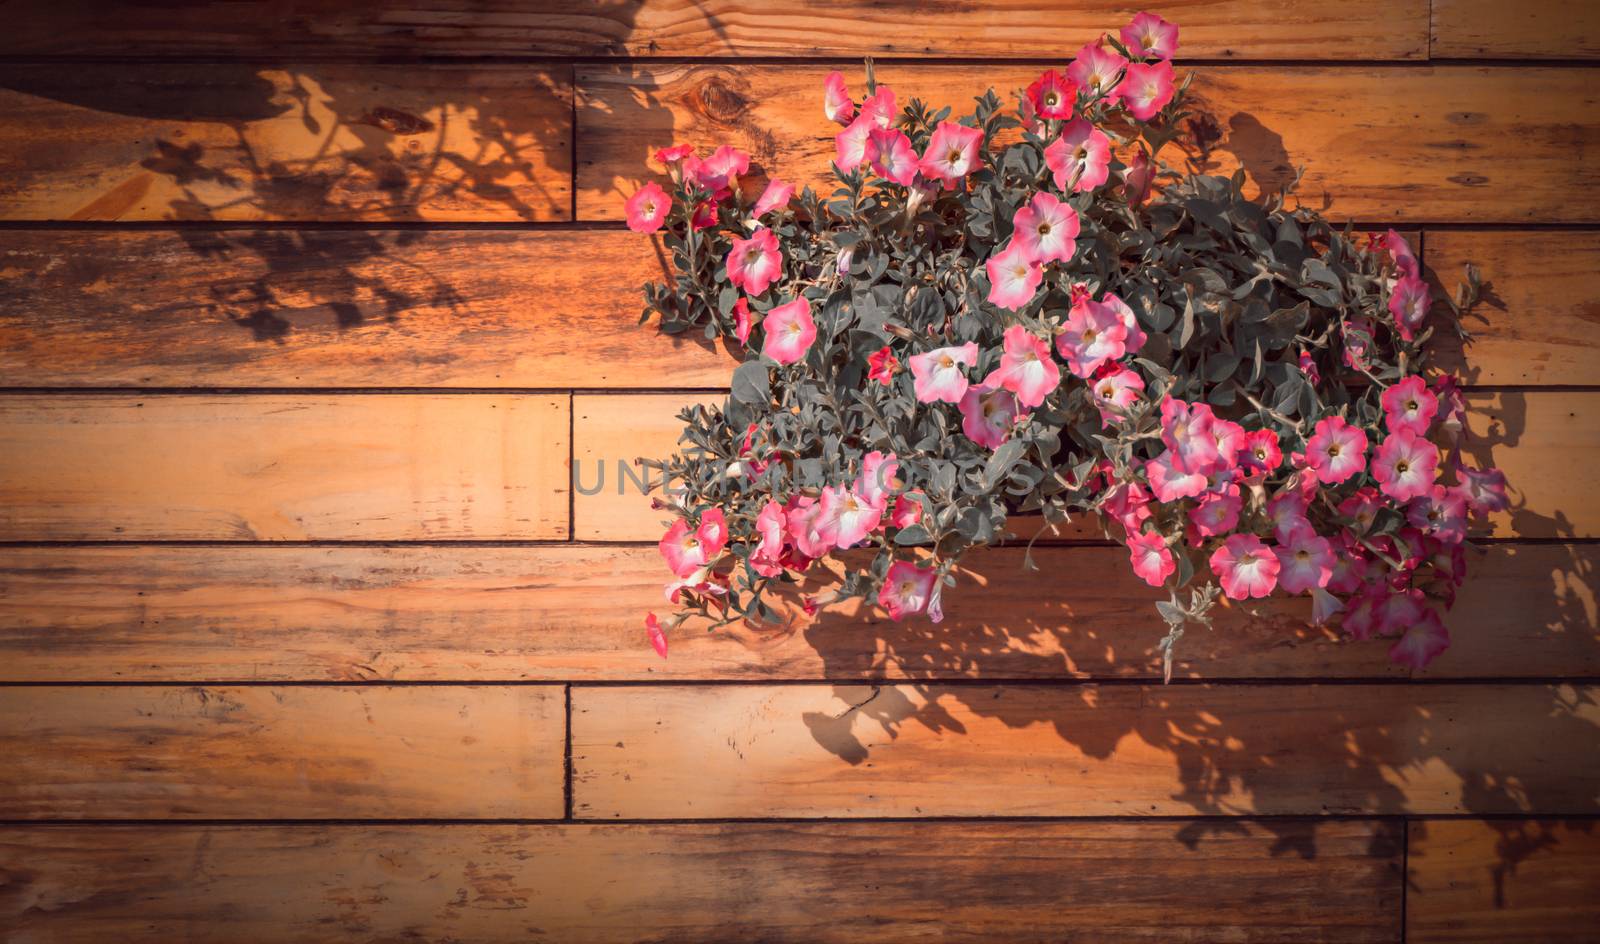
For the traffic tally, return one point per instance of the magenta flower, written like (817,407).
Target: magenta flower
(952,152)
(1305,561)
(836,102)
(777,194)
(1442,512)
(1362,507)
(1484,490)
(987,414)
(1408,405)
(1136,337)
(846,517)
(1052,95)
(1128,505)
(1169,483)
(907,511)
(767,557)
(1150,37)
(682,549)
(1261,452)
(891,156)
(1186,431)
(1287,513)
(1138,178)
(647,209)
(755,263)
(789,332)
(802,515)
(658,639)
(1422,642)
(1096,69)
(938,374)
(1216,513)
(1080,159)
(879,108)
(1152,561)
(882,366)
(718,173)
(742,322)
(1405,465)
(1230,439)
(1246,567)
(705,215)
(879,478)
(1046,229)
(1336,450)
(1093,335)
(1119,389)
(1405,261)
(670,156)
(713,533)
(906,589)
(1026,367)
(1409,303)
(1146,88)
(1013,277)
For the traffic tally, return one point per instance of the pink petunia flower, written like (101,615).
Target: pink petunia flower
(1408,405)
(1230,439)
(1138,178)
(1308,366)
(1136,337)
(713,533)
(891,156)
(1336,450)
(718,173)
(647,209)
(1046,229)
(836,101)
(1150,37)
(882,366)
(1152,560)
(1422,642)
(1357,347)
(938,374)
(1186,429)
(952,152)
(879,478)
(1363,507)
(755,263)
(789,332)
(906,589)
(1080,159)
(1484,489)
(1405,261)
(1287,513)
(777,194)
(1305,561)
(1053,95)
(1128,505)
(682,549)
(1409,303)
(846,517)
(705,215)
(1026,367)
(1246,567)
(1146,89)
(1120,389)
(802,515)
(1324,606)
(1216,513)
(1092,335)
(742,322)
(1013,277)
(767,557)
(1349,566)
(1169,483)
(658,638)
(850,145)
(907,510)
(1399,610)
(879,108)
(987,414)
(1442,512)
(670,156)
(1261,452)
(1405,465)
(1096,69)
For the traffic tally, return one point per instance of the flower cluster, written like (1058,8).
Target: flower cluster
(995,315)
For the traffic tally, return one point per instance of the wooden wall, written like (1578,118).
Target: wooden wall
(307,309)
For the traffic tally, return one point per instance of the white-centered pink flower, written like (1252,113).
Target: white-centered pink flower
(891,156)
(1422,642)
(1136,337)
(1405,261)
(756,262)
(1484,489)
(1146,88)
(846,517)
(1096,69)
(1013,277)
(1261,452)
(682,549)
(713,533)
(1127,504)
(836,101)
(1151,558)
(1046,229)
(719,172)
(1287,513)
(850,145)
(1186,430)
(788,332)
(880,477)
(1230,438)
(777,194)
(907,589)
(1405,465)
(907,510)
(1150,37)
(1169,483)
(1117,390)
(1409,303)
(987,415)
(1441,512)
(1336,450)
(1026,367)
(1053,95)
(1092,335)
(1246,567)
(647,209)
(879,108)
(802,515)
(1409,405)
(952,152)
(1216,513)
(940,374)
(1305,561)
(1080,158)
(1138,178)
(766,558)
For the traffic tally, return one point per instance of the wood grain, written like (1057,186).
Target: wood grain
(609,435)
(295,308)
(310,142)
(88,752)
(740,882)
(270,467)
(1458,144)
(908,750)
(1530,881)
(1295,29)
(1538,29)
(439,613)
(1539,320)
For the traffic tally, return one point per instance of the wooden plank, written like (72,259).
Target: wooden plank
(1539,322)
(307,142)
(1298,29)
(286,614)
(267,468)
(275,308)
(609,435)
(1454,143)
(1539,29)
(1530,881)
(909,750)
(137,752)
(738,882)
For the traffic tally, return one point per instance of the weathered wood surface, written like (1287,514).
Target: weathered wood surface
(364,467)
(286,614)
(1447,143)
(1493,29)
(141,752)
(1539,319)
(321,308)
(740,882)
(1290,29)
(313,142)
(1483,881)
(906,750)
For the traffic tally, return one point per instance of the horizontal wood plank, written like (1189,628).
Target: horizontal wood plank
(1537,29)
(286,614)
(1539,318)
(1454,143)
(88,752)
(314,142)
(1529,881)
(741,882)
(103,467)
(908,750)
(323,308)
(1297,29)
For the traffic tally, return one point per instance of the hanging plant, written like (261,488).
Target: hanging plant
(994,315)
